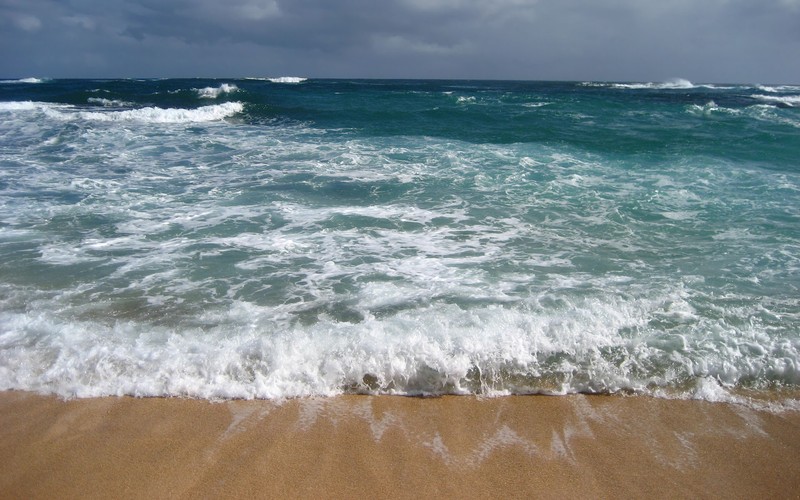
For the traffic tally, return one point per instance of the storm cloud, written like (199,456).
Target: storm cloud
(709,41)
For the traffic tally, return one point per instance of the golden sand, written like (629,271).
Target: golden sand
(395,447)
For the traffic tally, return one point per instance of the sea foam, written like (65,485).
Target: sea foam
(678,83)
(787,100)
(256,258)
(109,103)
(165,115)
(214,92)
(24,80)
(287,79)
(147,115)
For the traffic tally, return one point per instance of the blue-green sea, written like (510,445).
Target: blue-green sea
(282,237)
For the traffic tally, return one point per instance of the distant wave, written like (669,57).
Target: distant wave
(24,80)
(778,88)
(287,79)
(762,112)
(214,92)
(787,100)
(675,84)
(280,79)
(678,83)
(169,115)
(148,115)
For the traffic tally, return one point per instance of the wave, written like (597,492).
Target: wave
(678,83)
(787,100)
(675,84)
(279,79)
(168,115)
(24,80)
(211,113)
(214,92)
(109,103)
(776,89)
(248,351)
(287,79)
(763,112)
(709,108)
(11,106)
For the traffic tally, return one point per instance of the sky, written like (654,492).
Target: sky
(709,41)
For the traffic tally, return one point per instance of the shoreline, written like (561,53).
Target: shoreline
(394,446)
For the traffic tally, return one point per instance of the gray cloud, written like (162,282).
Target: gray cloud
(714,40)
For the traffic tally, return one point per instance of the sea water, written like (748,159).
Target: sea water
(281,237)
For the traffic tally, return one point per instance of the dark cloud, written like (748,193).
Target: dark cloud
(714,40)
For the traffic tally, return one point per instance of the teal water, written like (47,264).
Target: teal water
(266,239)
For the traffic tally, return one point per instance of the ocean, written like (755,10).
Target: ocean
(284,237)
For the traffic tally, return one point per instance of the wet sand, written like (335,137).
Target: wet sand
(395,447)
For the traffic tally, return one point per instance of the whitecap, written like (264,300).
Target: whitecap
(12,106)
(287,79)
(216,112)
(778,88)
(709,108)
(677,83)
(109,103)
(24,80)
(214,92)
(787,100)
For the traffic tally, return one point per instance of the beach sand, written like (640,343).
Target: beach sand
(384,446)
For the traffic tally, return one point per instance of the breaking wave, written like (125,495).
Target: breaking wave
(214,92)
(24,80)
(147,115)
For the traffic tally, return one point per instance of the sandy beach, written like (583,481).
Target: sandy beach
(395,447)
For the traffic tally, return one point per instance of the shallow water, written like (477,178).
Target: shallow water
(263,239)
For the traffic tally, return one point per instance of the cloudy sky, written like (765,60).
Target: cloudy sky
(750,41)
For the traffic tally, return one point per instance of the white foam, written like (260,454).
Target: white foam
(25,80)
(287,79)
(30,106)
(214,92)
(212,113)
(422,294)
(788,100)
(63,255)
(109,103)
(778,88)
(677,83)
(680,215)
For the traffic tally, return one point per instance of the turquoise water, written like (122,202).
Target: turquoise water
(274,238)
